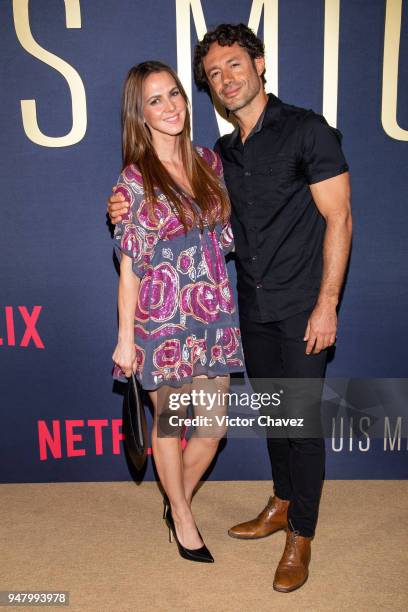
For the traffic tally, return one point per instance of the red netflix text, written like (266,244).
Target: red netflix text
(66,438)
(30,335)
(79,437)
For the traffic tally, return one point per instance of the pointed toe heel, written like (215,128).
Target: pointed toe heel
(201,555)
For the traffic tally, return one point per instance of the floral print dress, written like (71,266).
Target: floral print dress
(186,321)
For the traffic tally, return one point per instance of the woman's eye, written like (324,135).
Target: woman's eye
(175,93)
(153,102)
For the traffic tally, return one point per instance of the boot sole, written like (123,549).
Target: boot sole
(290,589)
(242,537)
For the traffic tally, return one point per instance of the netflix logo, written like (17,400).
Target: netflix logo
(77,438)
(11,315)
(65,439)
(80,438)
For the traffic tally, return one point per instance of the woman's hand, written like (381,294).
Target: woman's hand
(124,356)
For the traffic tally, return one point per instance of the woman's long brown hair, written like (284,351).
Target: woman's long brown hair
(138,149)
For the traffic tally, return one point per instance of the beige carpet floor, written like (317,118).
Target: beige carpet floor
(107,544)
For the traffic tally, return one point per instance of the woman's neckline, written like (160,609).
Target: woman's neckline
(182,190)
(178,185)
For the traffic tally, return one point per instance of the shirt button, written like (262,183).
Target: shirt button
(254,257)
(247,173)
(259,286)
(251,203)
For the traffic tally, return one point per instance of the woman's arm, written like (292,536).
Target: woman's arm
(125,352)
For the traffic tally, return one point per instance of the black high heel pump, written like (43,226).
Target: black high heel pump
(202,554)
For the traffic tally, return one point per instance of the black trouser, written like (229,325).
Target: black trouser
(277,350)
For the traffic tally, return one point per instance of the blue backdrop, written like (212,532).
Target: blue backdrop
(60,414)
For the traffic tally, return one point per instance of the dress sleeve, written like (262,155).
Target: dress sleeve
(131,235)
(320,149)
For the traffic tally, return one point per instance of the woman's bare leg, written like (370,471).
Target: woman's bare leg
(168,458)
(203,444)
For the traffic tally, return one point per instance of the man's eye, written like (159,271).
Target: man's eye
(214,74)
(235,64)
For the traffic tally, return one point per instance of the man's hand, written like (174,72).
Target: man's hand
(321,329)
(117,206)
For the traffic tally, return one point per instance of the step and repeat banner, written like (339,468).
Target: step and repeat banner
(62,66)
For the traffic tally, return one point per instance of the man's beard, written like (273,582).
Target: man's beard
(239,105)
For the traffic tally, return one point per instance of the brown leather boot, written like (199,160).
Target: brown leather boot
(292,570)
(272,518)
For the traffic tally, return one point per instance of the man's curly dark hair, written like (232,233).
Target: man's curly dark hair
(226,34)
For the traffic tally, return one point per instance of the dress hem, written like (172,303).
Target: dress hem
(187,379)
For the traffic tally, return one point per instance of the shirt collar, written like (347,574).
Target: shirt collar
(268,116)
(272,110)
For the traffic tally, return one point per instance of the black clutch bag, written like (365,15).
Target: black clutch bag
(134,424)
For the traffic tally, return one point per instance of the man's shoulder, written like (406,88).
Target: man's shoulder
(224,142)
(308,126)
(307,121)
(301,117)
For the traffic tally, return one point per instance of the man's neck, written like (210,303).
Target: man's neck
(248,116)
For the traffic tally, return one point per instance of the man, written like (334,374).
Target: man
(289,187)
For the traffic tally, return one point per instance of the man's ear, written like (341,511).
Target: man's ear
(260,65)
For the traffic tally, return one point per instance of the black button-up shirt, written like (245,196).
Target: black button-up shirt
(277,226)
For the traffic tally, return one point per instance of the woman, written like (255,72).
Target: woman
(178,326)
